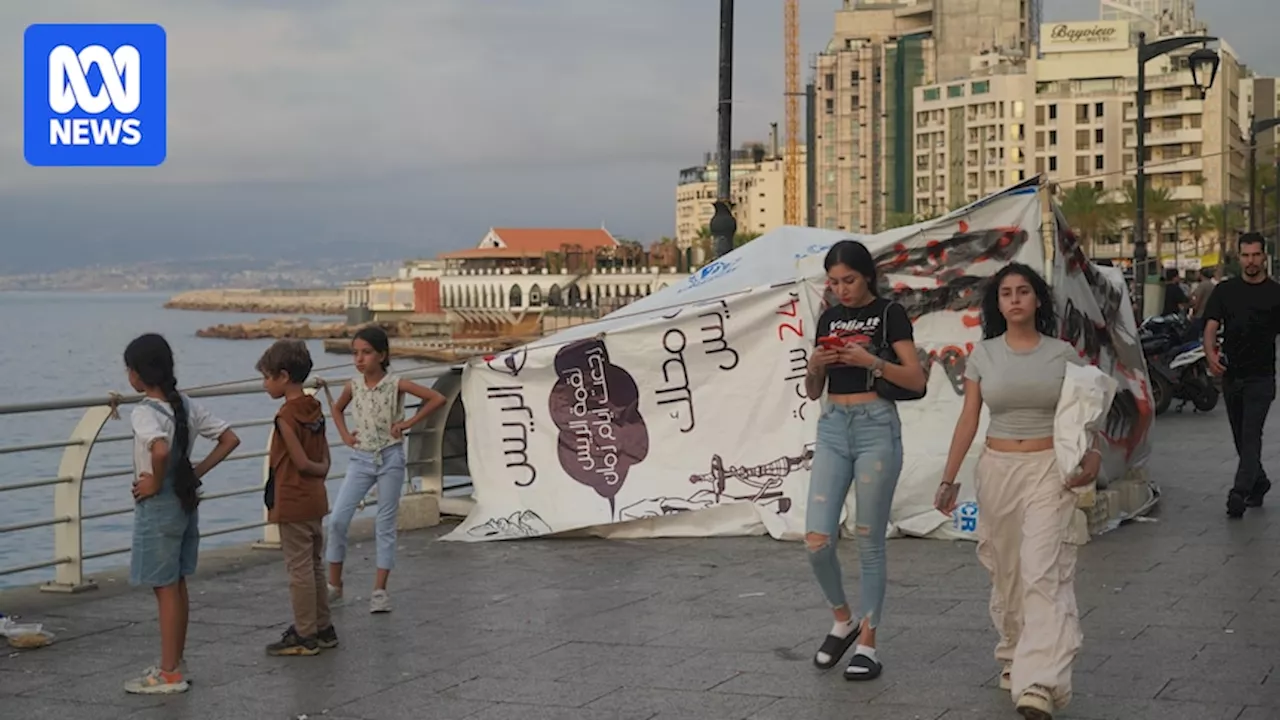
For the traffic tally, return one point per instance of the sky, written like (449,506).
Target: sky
(394,127)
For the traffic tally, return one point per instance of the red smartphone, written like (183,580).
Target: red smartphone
(831,342)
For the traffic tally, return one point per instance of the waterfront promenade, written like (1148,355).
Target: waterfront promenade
(1181,618)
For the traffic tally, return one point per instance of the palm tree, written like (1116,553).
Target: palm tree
(1199,221)
(1223,220)
(743,238)
(1090,214)
(1160,209)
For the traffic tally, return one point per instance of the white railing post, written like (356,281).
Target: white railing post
(68,536)
(270,531)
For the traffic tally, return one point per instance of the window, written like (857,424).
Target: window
(1097,136)
(931,94)
(1098,111)
(980,87)
(1040,140)
(1040,114)
(1082,113)
(1053,138)
(1019,109)
(955,91)
(1082,166)
(1099,163)
(854,103)
(1053,164)
(1053,111)
(854,78)
(1082,139)
(1039,166)
(831,106)
(829,82)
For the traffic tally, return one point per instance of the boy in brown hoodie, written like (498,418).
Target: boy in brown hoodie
(295,496)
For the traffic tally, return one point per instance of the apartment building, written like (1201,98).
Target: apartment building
(1260,100)
(971,135)
(880,53)
(756,186)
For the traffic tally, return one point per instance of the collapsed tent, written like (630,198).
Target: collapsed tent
(683,414)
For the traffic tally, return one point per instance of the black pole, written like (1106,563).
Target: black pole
(811,155)
(1253,176)
(723,226)
(1140,186)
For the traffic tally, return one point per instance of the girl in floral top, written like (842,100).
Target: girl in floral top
(377,427)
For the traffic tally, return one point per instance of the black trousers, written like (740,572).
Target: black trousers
(1248,401)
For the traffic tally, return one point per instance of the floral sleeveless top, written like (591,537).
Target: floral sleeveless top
(374,410)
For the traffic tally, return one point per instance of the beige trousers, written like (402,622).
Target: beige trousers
(1024,525)
(303,546)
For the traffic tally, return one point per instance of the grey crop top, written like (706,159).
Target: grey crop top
(1020,388)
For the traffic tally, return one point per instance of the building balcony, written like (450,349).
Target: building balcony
(1157,110)
(1158,167)
(1187,193)
(1168,137)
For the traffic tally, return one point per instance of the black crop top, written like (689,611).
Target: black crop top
(862,323)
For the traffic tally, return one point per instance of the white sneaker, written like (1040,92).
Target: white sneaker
(154,683)
(335,595)
(380,602)
(182,670)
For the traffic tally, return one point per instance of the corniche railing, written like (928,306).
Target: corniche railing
(435,449)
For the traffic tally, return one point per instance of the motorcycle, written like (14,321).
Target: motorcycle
(1177,364)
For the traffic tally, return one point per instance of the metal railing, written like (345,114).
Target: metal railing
(435,448)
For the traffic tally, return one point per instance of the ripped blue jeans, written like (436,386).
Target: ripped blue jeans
(862,442)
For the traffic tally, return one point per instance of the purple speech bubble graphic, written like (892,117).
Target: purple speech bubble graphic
(596,406)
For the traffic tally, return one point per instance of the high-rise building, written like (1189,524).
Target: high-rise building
(1157,18)
(866,79)
(756,187)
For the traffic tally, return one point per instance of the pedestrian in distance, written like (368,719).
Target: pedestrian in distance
(862,340)
(376,399)
(1026,507)
(295,496)
(1247,309)
(166,490)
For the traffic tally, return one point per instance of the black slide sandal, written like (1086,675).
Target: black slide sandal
(862,667)
(836,647)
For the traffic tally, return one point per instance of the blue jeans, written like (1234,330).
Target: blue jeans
(863,442)
(362,475)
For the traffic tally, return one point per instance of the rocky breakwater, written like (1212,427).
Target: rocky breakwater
(296,328)
(311,302)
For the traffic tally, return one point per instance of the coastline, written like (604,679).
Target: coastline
(277,302)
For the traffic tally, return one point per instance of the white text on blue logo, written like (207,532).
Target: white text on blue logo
(69,89)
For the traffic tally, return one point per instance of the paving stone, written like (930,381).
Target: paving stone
(1181,617)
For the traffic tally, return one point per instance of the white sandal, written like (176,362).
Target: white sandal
(1036,703)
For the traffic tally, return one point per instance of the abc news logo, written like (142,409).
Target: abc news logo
(69,89)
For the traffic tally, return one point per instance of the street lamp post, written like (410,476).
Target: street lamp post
(723,225)
(1203,62)
(1256,128)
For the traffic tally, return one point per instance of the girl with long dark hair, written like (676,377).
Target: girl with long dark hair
(166,527)
(1025,505)
(377,400)
(859,444)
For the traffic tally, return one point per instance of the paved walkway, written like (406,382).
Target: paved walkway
(1181,617)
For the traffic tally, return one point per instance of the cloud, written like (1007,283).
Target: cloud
(421,120)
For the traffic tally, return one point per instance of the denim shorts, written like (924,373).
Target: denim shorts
(166,541)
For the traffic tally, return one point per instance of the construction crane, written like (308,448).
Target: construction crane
(791,179)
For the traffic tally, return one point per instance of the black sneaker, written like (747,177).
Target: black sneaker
(1236,504)
(1260,490)
(327,638)
(291,643)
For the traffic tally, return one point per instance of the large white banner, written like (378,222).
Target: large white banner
(684,414)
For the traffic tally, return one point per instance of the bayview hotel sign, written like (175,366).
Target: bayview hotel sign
(1080,36)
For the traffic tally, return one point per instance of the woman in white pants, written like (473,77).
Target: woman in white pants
(1025,505)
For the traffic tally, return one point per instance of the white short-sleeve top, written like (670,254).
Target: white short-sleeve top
(152,420)
(374,410)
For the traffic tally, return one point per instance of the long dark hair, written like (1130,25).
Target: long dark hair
(993,322)
(855,256)
(377,339)
(152,359)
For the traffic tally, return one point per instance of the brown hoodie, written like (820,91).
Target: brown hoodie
(298,497)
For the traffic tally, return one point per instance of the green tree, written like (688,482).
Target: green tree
(1090,213)
(1199,222)
(1160,209)
(898,219)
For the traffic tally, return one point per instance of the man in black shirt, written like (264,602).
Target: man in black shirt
(1248,310)
(1175,298)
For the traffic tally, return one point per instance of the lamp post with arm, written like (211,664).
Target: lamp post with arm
(723,225)
(1204,70)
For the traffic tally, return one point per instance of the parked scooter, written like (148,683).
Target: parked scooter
(1177,365)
